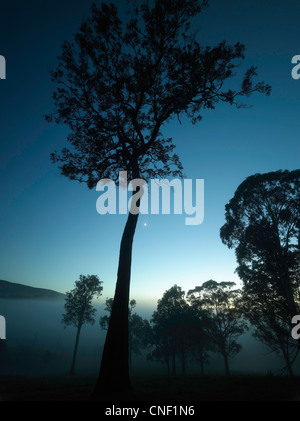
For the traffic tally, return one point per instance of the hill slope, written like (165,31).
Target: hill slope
(9,290)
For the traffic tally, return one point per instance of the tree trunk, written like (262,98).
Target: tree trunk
(290,369)
(226,364)
(202,366)
(289,363)
(114,371)
(173,363)
(130,351)
(183,361)
(285,277)
(72,370)
(290,299)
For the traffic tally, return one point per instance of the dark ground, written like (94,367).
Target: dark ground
(189,388)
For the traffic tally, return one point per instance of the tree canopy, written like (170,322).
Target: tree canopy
(263,225)
(78,305)
(120,81)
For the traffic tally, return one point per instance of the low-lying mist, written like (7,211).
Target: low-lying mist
(38,344)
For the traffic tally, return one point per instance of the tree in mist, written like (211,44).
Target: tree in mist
(185,333)
(104,320)
(269,316)
(200,338)
(225,319)
(140,335)
(263,225)
(78,306)
(118,84)
(161,351)
(140,332)
(171,324)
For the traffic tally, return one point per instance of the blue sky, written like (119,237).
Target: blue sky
(50,230)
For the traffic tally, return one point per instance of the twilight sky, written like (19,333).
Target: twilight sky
(50,230)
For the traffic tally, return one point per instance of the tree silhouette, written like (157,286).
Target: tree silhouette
(263,225)
(118,84)
(78,307)
(161,351)
(225,319)
(171,324)
(140,335)
(104,320)
(268,314)
(200,337)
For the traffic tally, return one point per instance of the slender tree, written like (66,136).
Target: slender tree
(119,83)
(78,307)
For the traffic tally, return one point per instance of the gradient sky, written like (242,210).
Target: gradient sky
(50,230)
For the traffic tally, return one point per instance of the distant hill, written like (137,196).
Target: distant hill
(9,290)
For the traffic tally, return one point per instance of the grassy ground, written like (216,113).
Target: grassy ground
(156,388)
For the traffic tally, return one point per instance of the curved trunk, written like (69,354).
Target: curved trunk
(114,371)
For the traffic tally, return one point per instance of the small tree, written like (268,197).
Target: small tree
(78,307)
